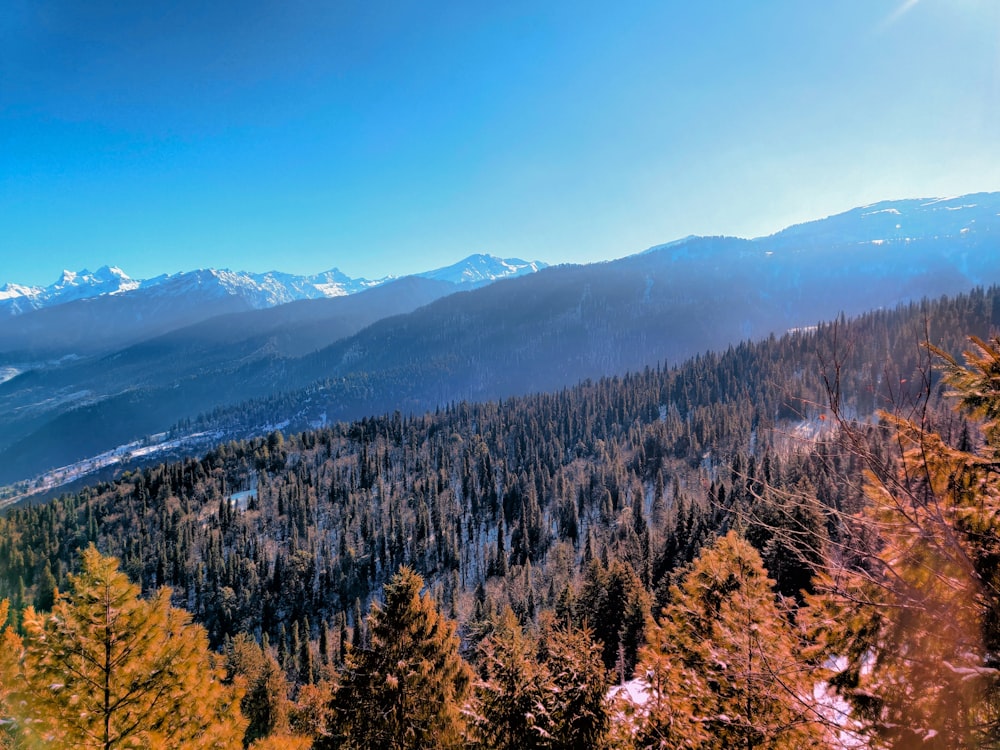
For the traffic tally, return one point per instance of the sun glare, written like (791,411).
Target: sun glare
(905,7)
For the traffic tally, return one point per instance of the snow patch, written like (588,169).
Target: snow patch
(332,290)
(883,211)
(13,291)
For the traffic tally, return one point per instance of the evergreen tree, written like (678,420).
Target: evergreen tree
(548,695)
(407,690)
(578,684)
(615,604)
(265,699)
(914,609)
(107,669)
(723,662)
(511,711)
(10,653)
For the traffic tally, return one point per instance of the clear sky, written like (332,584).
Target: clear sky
(385,136)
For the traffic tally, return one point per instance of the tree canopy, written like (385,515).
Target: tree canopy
(405,689)
(723,662)
(106,669)
(913,605)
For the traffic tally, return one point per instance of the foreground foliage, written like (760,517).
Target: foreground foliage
(913,606)
(106,669)
(723,662)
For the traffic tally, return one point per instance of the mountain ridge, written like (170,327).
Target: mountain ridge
(267,289)
(306,365)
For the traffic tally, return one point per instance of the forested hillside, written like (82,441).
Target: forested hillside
(582,506)
(412,346)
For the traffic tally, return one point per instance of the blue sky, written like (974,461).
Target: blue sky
(392,137)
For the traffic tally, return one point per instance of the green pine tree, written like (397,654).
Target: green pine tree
(407,690)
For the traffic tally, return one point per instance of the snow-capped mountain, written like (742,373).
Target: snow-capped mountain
(483,269)
(16,299)
(257,290)
(191,344)
(896,221)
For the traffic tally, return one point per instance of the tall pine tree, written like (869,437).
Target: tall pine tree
(106,669)
(723,662)
(405,691)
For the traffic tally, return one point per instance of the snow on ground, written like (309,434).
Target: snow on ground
(635,692)
(240,500)
(630,699)
(122,454)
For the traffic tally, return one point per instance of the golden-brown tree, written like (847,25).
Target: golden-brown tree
(723,662)
(10,651)
(107,669)
(911,607)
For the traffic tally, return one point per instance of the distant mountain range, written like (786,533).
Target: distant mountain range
(17,299)
(412,344)
(88,312)
(260,290)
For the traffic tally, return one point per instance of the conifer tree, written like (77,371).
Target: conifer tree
(10,653)
(511,711)
(913,610)
(615,604)
(265,700)
(405,691)
(578,684)
(548,695)
(107,669)
(723,661)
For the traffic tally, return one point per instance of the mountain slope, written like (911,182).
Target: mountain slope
(85,313)
(472,495)
(540,332)
(146,387)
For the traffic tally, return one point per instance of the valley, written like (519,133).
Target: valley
(584,504)
(414,345)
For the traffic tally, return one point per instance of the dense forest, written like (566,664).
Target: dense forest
(568,535)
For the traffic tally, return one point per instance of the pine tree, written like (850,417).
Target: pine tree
(406,691)
(511,711)
(723,661)
(615,604)
(10,653)
(107,669)
(913,610)
(548,695)
(45,597)
(578,684)
(265,699)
